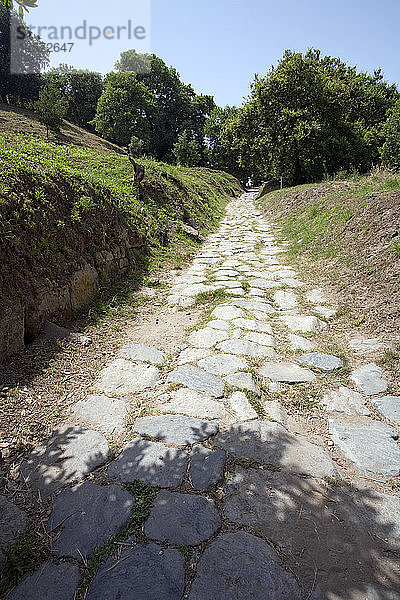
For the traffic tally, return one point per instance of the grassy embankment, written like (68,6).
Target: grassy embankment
(346,236)
(61,203)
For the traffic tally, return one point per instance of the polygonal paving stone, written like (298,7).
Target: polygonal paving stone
(243,567)
(286,372)
(323,362)
(122,377)
(273,444)
(388,407)
(346,401)
(265,284)
(222,364)
(366,345)
(241,407)
(253,325)
(143,572)
(142,353)
(276,412)
(206,467)
(285,300)
(12,522)
(325,312)
(198,380)
(300,343)
(194,404)
(207,337)
(100,412)
(196,288)
(69,455)
(192,355)
(252,305)
(227,312)
(89,515)
(371,448)
(218,324)
(369,379)
(291,282)
(244,381)
(246,348)
(176,429)
(264,339)
(151,462)
(50,581)
(303,323)
(182,519)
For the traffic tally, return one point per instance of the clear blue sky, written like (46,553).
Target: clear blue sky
(218,45)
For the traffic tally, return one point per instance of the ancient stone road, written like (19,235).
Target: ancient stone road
(257,509)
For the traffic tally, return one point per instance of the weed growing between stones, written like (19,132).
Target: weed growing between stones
(211,297)
(23,557)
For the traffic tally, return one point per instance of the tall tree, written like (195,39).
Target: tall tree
(82,89)
(29,54)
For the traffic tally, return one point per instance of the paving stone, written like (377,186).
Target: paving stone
(206,338)
(300,343)
(151,462)
(303,323)
(323,362)
(241,407)
(106,414)
(286,372)
(316,296)
(291,282)
(366,346)
(182,519)
(371,448)
(272,444)
(206,467)
(68,456)
(388,407)
(324,311)
(198,380)
(50,581)
(285,300)
(192,403)
(242,566)
(12,523)
(346,401)
(252,305)
(227,312)
(176,429)
(237,291)
(142,353)
(222,364)
(142,572)
(89,515)
(246,348)
(244,381)
(122,377)
(276,412)
(218,324)
(196,288)
(263,339)
(265,284)
(190,355)
(369,379)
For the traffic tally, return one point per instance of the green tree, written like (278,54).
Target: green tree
(390,151)
(312,116)
(124,109)
(30,55)
(81,88)
(51,108)
(186,151)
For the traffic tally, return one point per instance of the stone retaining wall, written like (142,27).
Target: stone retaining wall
(22,318)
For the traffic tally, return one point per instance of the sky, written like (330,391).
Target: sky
(218,45)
